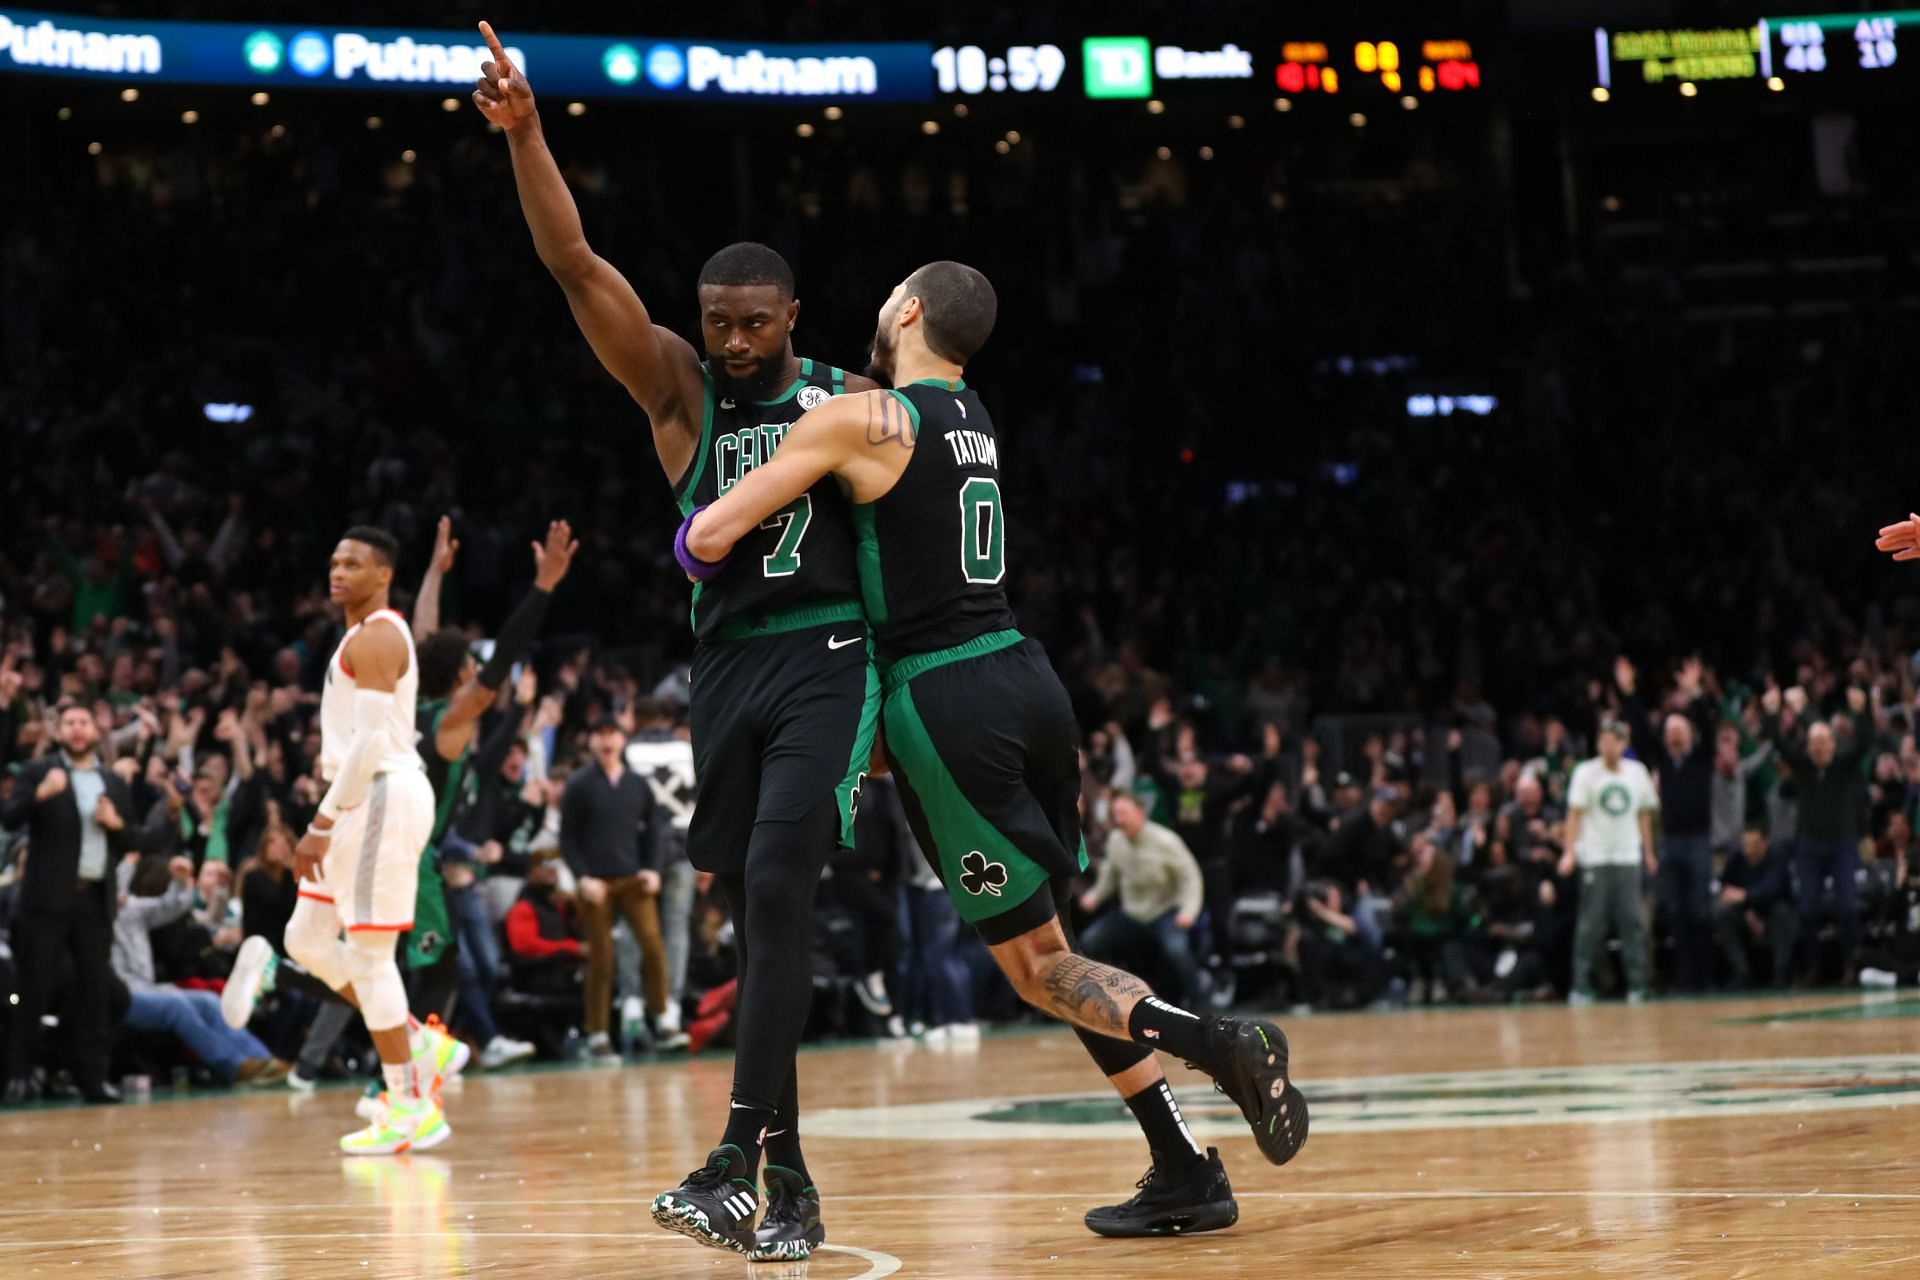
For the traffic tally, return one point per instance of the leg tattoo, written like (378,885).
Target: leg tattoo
(1088,994)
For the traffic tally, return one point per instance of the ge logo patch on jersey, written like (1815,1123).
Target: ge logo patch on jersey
(814,397)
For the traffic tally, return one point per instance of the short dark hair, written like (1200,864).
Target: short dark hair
(65,705)
(379,539)
(749,262)
(958,306)
(442,654)
(607,724)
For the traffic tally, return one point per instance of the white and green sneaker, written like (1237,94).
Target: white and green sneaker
(410,1124)
(252,978)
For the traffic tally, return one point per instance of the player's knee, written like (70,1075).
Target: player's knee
(376,980)
(313,942)
(1030,958)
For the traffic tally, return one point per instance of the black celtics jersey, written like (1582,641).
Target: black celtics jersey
(802,556)
(932,552)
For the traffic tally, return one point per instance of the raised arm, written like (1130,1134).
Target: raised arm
(426,606)
(659,369)
(551,559)
(829,440)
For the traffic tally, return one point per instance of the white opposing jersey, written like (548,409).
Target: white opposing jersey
(396,748)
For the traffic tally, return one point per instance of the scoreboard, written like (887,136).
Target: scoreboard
(1839,45)
(1854,48)
(1399,66)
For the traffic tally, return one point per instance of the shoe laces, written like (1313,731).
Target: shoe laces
(707,1177)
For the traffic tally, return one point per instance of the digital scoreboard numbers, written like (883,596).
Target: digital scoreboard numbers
(1839,45)
(1020,68)
(1859,48)
(1685,55)
(1399,67)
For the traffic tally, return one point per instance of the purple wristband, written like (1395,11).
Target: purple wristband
(704,570)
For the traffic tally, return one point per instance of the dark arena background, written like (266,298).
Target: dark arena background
(1399,406)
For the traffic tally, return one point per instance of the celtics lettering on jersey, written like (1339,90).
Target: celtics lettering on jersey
(933,549)
(802,555)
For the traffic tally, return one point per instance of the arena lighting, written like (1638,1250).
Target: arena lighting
(222,412)
(1155,106)
(189,117)
(261,98)
(449,105)
(129,95)
(1775,83)
(929,127)
(1206,153)
(576,108)
(833,113)
(1435,406)
(960,110)
(409,156)
(1600,93)
(94,148)
(1358,120)
(1002,146)
(65,113)
(804,129)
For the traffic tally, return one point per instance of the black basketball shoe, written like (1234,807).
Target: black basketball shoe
(791,1229)
(1172,1203)
(1248,1063)
(712,1206)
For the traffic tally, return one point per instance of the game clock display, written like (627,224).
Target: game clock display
(1020,68)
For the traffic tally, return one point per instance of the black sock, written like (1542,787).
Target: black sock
(1159,1025)
(744,1124)
(783,1134)
(1168,1137)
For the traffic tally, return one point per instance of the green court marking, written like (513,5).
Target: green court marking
(1861,1008)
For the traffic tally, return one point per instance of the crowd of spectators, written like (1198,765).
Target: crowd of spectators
(1335,665)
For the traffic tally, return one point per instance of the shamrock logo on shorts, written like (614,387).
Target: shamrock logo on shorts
(979,876)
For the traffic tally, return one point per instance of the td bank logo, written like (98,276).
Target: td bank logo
(1117,66)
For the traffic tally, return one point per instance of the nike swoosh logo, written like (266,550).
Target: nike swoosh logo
(726,404)
(834,642)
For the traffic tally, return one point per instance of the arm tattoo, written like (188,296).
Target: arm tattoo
(887,419)
(1082,992)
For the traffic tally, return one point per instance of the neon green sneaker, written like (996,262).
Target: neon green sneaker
(441,1055)
(413,1124)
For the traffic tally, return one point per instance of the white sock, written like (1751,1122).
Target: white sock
(413,1035)
(400,1087)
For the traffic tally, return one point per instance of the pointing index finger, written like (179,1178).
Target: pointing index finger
(493,43)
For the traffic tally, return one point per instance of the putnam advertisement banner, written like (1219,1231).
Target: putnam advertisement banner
(621,66)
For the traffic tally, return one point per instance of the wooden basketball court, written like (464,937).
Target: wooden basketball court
(1738,1138)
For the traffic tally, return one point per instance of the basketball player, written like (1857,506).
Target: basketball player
(784,696)
(357,861)
(980,734)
